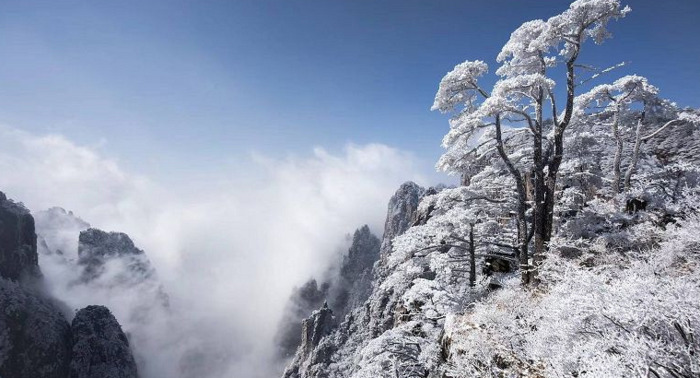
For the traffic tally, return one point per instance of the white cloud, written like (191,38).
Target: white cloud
(230,247)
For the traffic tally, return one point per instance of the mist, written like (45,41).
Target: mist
(228,246)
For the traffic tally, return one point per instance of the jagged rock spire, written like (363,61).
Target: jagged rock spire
(100,347)
(18,253)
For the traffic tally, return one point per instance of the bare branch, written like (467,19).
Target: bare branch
(669,123)
(602,72)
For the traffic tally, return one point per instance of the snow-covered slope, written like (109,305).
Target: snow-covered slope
(617,295)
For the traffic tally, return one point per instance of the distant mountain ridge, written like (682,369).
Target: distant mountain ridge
(35,338)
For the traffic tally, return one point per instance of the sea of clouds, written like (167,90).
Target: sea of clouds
(228,246)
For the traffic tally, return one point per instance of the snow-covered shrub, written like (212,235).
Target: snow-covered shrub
(621,319)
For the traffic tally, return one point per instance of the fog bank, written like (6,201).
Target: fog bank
(228,246)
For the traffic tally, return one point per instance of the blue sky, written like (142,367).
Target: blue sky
(176,86)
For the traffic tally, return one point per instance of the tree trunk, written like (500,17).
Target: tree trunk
(550,188)
(556,159)
(540,209)
(472,257)
(618,154)
(524,258)
(525,264)
(549,208)
(635,156)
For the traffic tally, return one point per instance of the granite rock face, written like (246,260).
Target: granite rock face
(303,301)
(401,212)
(346,287)
(110,260)
(333,355)
(18,252)
(36,340)
(318,325)
(34,336)
(112,267)
(355,282)
(100,347)
(97,248)
(310,353)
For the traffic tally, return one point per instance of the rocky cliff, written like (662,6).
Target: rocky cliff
(311,355)
(100,347)
(354,282)
(18,252)
(57,233)
(401,214)
(98,249)
(34,336)
(36,340)
(334,354)
(303,301)
(84,265)
(344,288)
(608,284)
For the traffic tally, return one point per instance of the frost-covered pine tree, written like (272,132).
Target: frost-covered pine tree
(524,101)
(629,103)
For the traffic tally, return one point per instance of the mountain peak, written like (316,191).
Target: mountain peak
(18,252)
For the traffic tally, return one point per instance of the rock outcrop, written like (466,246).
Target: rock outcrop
(401,212)
(318,325)
(401,215)
(35,338)
(347,287)
(97,248)
(57,232)
(34,335)
(331,355)
(100,347)
(303,301)
(18,253)
(310,354)
(111,261)
(354,284)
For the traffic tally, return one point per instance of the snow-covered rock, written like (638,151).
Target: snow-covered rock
(336,354)
(97,249)
(100,347)
(400,213)
(354,284)
(34,336)
(303,301)
(311,358)
(344,288)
